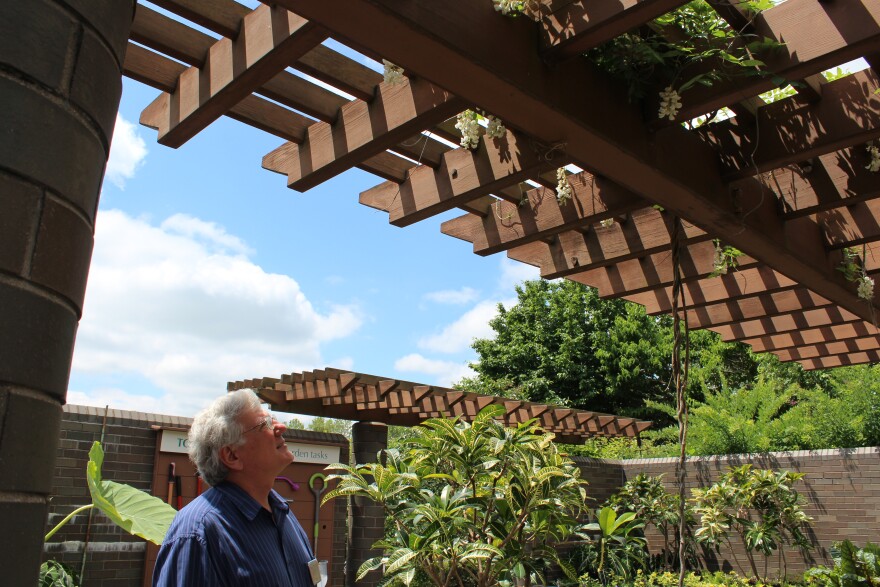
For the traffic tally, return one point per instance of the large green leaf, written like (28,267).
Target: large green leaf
(131,509)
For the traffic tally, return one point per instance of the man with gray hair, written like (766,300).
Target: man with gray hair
(240,532)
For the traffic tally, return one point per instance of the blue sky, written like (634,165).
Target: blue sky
(207,268)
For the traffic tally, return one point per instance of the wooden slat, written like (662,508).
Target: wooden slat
(362,130)
(810,337)
(541,216)
(584,24)
(785,323)
(826,182)
(221,16)
(841,360)
(794,129)
(788,301)
(270,38)
(462,176)
(608,138)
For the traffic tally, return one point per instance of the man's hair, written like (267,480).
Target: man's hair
(218,426)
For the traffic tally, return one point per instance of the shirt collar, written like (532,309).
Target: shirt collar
(248,506)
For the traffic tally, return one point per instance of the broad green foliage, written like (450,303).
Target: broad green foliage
(133,510)
(469,503)
(760,506)
(853,567)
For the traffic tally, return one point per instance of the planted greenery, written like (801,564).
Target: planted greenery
(618,549)
(759,506)
(853,567)
(470,503)
(131,509)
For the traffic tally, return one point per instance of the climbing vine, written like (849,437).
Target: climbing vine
(725,259)
(853,268)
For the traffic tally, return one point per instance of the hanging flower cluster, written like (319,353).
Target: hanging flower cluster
(563,188)
(853,269)
(509,7)
(393,73)
(670,103)
(606,223)
(467,123)
(494,129)
(865,288)
(874,165)
(724,259)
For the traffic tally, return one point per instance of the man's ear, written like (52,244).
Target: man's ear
(229,457)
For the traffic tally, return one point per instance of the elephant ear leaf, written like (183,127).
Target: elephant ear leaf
(133,510)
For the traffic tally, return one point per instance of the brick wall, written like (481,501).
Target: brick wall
(115,558)
(841,488)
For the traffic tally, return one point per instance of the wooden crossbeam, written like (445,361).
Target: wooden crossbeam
(794,300)
(541,215)
(826,182)
(221,16)
(579,26)
(815,36)
(794,129)
(635,276)
(813,336)
(841,360)
(830,349)
(673,167)
(856,224)
(462,176)
(270,39)
(760,327)
(736,284)
(361,130)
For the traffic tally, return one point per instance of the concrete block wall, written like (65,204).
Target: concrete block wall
(841,491)
(115,558)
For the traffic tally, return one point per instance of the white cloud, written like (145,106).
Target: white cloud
(514,273)
(459,335)
(452,296)
(444,372)
(127,153)
(182,306)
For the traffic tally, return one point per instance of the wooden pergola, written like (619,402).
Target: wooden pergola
(785,182)
(357,396)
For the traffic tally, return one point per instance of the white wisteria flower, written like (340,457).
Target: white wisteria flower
(874,165)
(508,6)
(670,103)
(495,129)
(719,265)
(606,223)
(563,188)
(393,73)
(467,123)
(865,288)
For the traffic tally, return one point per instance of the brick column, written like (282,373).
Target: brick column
(368,518)
(60,82)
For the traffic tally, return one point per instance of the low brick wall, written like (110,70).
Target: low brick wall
(115,558)
(841,488)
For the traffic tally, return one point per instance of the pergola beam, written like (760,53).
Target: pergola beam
(270,38)
(457,44)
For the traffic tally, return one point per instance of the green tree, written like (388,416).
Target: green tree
(562,344)
(470,503)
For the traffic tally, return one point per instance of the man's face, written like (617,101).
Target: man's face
(264,450)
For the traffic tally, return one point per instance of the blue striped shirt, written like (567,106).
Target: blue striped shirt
(226,538)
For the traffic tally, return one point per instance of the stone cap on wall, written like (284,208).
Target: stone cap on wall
(144,419)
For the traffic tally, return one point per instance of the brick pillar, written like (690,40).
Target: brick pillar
(368,519)
(60,82)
